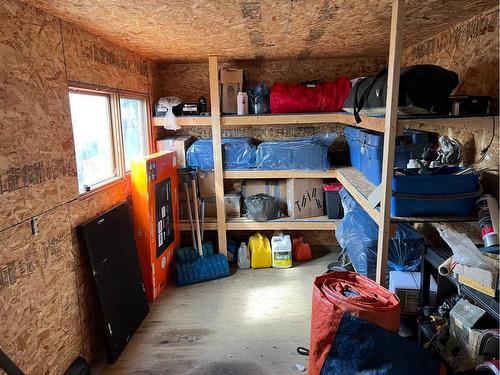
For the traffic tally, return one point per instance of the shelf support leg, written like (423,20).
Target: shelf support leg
(213,69)
(390,129)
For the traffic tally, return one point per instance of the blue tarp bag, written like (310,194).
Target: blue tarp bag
(357,234)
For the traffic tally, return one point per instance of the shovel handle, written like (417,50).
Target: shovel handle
(197,217)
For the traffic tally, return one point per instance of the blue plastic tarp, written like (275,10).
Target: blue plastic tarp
(357,234)
(237,153)
(306,153)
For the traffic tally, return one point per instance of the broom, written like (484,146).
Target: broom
(205,267)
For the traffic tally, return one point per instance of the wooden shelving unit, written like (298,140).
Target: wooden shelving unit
(352,179)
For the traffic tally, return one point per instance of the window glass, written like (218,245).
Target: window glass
(134,129)
(91,118)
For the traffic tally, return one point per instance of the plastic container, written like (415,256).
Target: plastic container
(242,103)
(352,136)
(372,145)
(243,256)
(334,208)
(281,250)
(232,251)
(418,140)
(260,251)
(437,194)
(301,250)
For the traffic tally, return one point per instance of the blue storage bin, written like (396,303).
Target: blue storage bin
(372,145)
(352,136)
(438,194)
(309,153)
(418,140)
(237,153)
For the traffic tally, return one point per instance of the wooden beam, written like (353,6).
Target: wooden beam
(391,121)
(213,70)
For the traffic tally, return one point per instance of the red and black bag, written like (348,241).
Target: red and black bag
(317,96)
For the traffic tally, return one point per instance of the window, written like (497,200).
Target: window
(109,131)
(134,128)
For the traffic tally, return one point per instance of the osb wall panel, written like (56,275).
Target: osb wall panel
(38,296)
(37,166)
(469,49)
(190,81)
(91,59)
(191,30)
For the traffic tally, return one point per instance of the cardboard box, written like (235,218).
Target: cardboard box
(177,144)
(274,188)
(406,285)
(304,197)
(231,83)
(206,184)
(482,280)
(232,206)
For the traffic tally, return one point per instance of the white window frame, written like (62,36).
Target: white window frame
(118,148)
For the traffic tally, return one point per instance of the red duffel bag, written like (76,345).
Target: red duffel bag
(337,293)
(320,97)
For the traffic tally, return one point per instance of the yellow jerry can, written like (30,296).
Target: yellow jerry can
(260,251)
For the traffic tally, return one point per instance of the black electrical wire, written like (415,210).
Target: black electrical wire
(484,150)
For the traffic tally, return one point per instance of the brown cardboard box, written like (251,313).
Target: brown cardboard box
(178,144)
(231,83)
(206,184)
(477,278)
(274,188)
(304,197)
(232,205)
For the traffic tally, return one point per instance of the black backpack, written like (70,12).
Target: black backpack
(423,89)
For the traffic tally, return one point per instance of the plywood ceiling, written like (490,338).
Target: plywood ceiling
(191,30)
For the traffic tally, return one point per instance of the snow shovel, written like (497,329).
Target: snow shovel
(205,267)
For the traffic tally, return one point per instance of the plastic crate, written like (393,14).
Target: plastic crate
(437,194)
(372,145)
(352,136)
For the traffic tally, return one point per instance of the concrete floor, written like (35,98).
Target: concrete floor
(249,323)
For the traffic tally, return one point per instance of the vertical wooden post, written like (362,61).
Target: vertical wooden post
(391,120)
(213,69)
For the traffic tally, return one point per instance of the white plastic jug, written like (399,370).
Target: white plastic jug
(243,256)
(281,246)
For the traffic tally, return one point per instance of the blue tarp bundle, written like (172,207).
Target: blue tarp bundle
(363,348)
(305,153)
(357,234)
(237,153)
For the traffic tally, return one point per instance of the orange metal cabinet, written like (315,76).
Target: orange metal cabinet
(155,206)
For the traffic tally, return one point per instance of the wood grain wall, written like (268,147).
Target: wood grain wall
(48,310)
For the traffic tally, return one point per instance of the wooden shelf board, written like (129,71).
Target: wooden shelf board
(210,224)
(284,223)
(269,174)
(359,187)
(368,122)
(186,121)
(372,123)
(458,122)
(433,219)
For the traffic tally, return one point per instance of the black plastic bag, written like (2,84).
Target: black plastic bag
(262,207)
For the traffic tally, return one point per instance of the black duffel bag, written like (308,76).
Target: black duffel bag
(423,89)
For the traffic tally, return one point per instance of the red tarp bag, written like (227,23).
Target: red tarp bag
(323,97)
(365,299)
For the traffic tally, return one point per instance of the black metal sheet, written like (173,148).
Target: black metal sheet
(108,242)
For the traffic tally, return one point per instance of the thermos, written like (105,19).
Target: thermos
(242,103)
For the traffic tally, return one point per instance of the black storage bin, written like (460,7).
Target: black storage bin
(334,209)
